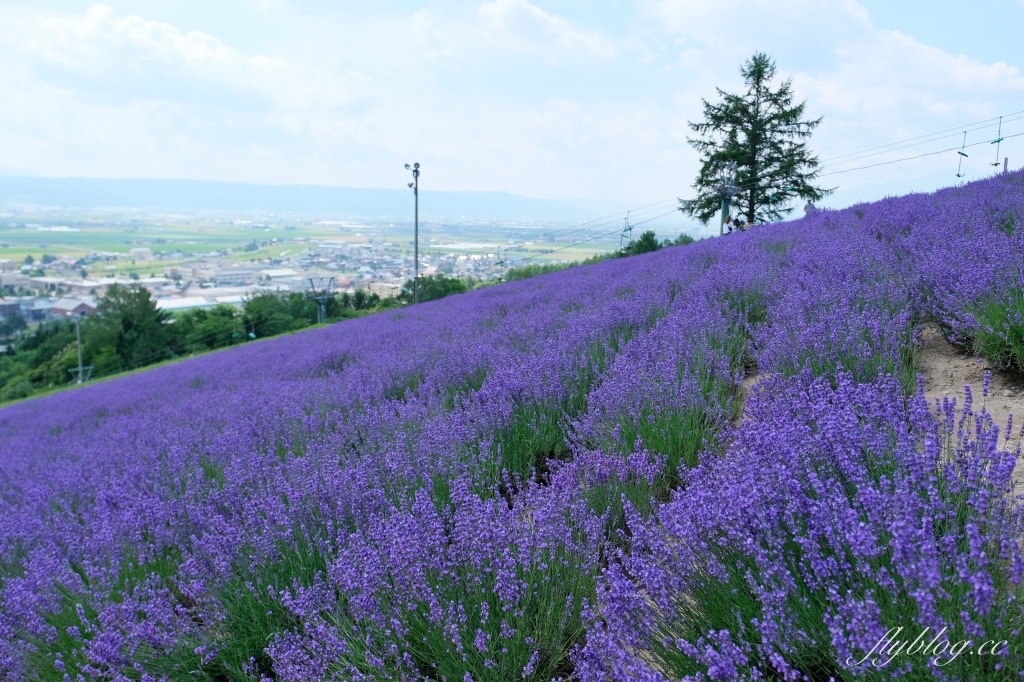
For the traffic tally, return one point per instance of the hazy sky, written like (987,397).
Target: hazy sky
(572,98)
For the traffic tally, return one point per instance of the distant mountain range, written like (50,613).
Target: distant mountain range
(81,193)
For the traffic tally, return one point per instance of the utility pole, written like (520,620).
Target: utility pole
(415,186)
(503,262)
(78,334)
(725,212)
(726,188)
(1006,163)
(320,292)
(998,141)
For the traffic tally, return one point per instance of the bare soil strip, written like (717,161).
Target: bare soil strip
(743,392)
(947,369)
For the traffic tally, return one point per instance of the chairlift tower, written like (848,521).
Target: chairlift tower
(963,156)
(627,231)
(87,370)
(415,187)
(320,289)
(503,262)
(726,190)
(997,142)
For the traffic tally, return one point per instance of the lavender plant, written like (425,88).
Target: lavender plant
(544,479)
(834,518)
(998,331)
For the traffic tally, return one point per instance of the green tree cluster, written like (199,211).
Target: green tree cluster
(433,288)
(648,242)
(128,331)
(534,269)
(270,314)
(357,302)
(42,359)
(206,329)
(13,325)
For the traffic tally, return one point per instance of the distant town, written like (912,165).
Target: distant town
(50,267)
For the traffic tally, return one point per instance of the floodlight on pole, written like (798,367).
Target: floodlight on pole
(83,372)
(78,334)
(415,187)
(726,190)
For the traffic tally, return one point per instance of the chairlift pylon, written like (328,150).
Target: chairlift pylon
(962,157)
(999,138)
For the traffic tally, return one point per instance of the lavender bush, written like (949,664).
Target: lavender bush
(544,479)
(834,517)
(998,329)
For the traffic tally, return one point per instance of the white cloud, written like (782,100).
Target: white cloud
(131,56)
(872,86)
(503,94)
(526,28)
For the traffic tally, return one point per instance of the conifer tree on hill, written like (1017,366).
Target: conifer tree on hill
(760,136)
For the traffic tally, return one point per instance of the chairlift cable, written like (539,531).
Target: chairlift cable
(977,125)
(649,208)
(590,239)
(918,156)
(905,146)
(920,137)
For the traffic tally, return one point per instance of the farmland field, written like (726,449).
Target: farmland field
(186,238)
(549,478)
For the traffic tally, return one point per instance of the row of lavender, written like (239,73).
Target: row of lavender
(177,509)
(851,531)
(542,477)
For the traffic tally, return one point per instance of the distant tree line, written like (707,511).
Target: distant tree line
(433,287)
(647,243)
(534,269)
(128,332)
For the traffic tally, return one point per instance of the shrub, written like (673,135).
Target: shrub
(533,270)
(853,521)
(16,388)
(999,329)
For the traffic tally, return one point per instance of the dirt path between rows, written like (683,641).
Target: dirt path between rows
(743,392)
(947,369)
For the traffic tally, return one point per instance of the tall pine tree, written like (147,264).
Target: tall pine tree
(760,137)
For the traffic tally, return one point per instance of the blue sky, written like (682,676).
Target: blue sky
(561,99)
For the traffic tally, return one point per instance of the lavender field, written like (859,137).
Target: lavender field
(554,478)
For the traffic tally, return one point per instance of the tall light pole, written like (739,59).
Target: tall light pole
(83,372)
(726,188)
(415,185)
(78,333)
